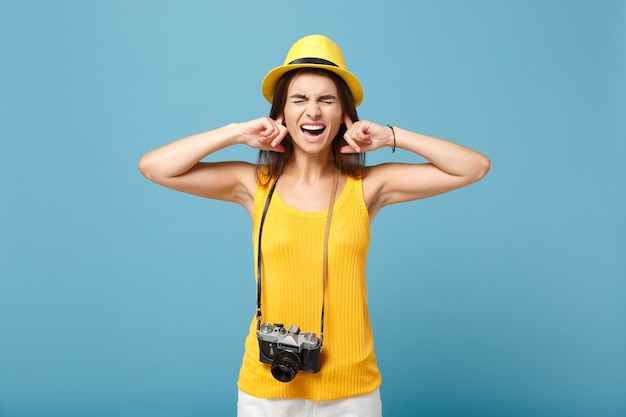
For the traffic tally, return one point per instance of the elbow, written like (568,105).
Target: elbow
(482,167)
(145,167)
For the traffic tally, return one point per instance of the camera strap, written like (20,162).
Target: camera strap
(329,216)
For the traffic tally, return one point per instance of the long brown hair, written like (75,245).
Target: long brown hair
(271,164)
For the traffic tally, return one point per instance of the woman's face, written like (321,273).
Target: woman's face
(312,112)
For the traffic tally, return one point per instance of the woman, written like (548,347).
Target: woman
(312,200)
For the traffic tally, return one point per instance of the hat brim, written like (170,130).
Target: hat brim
(271,79)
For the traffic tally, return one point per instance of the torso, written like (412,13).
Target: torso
(293,241)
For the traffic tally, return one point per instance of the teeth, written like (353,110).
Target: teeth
(312,127)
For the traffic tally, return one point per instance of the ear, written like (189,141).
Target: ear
(280,119)
(347,120)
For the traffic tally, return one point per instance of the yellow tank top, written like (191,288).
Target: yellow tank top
(293,246)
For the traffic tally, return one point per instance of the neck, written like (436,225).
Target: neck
(310,168)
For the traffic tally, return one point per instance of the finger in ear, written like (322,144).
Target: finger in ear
(347,121)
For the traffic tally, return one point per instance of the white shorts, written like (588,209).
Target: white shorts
(368,405)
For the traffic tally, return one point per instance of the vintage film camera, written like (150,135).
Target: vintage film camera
(288,350)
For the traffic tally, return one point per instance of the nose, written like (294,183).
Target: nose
(313,109)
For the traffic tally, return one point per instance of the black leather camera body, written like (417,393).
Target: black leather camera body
(288,350)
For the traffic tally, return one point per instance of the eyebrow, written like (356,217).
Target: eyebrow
(322,97)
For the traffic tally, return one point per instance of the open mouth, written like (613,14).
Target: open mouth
(313,132)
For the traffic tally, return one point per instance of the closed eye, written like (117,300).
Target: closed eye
(328,99)
(298,98)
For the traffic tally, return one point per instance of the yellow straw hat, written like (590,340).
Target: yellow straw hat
(313,51)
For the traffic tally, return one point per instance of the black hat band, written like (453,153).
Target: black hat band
(318,61)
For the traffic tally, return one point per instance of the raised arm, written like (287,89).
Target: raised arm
(177,165)
(450,165)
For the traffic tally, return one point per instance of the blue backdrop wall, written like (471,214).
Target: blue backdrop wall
(121,298)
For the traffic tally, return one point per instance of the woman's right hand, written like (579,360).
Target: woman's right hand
(264,133)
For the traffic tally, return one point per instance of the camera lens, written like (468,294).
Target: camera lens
(285,366)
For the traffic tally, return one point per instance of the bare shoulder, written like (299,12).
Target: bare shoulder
(386,177)
(381,184)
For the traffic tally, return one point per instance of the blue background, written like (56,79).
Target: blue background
(121,298)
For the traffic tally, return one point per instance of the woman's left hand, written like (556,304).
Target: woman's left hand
(365,136)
